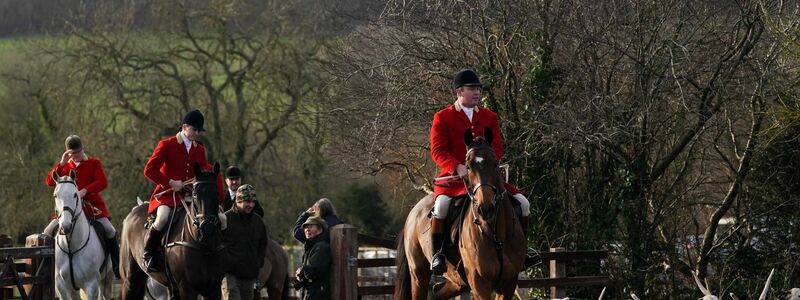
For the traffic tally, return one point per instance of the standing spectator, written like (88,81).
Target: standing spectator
(314,275)
(323,208)
(245,241)
(233,179)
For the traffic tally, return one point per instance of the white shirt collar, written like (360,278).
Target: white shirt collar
(468,110)
(186,142)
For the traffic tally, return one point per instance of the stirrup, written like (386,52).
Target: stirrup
(438,264)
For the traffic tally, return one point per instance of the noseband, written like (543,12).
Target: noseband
(64,208)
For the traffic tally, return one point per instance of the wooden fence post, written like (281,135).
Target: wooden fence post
(6,242)
(558,269)
(42,267)
(344,271)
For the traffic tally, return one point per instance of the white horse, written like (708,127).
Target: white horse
(79,252)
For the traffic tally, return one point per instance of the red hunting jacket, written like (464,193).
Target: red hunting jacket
(171,161)
(448,149)
(89,175)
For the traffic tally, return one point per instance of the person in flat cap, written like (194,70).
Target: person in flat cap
(314,275)
(245,241)
(449,152)
(322,208)
(233,179)
(170,166)
(91,180)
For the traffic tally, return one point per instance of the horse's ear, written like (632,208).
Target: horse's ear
(216,168)
(72,174)
(468,139)
(197,170)
(55,176)
(487,134)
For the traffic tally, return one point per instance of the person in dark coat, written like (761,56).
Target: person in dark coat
(323,208)
(245,241)
(233,179)
(314,275)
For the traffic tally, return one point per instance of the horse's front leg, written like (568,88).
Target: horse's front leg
(506,292)
(92,289)
(480,289)
(64,289)
(420,284)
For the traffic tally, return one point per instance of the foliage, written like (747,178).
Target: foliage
(362,206)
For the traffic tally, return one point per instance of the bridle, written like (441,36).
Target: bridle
(78,206)
(197,220)
(489,216)
(68,236)
(499,192)
(200,218)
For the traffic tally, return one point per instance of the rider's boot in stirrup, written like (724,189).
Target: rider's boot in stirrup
(439,262)
(531,258)
(113,250)
(151,245)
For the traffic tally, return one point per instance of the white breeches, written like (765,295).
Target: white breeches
(110,231)
(442,204)
(163,214)
(524,204)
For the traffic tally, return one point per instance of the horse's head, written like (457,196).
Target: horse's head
(206,195)
(68,203)
(484,185)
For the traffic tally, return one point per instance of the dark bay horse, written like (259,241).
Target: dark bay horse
(274,274)
(492,246)
(193,246)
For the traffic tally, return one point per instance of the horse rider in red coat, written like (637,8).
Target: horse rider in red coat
(170,166)
(449,152)
(90,180)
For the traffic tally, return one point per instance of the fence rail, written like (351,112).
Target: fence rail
(33,278)
(347,280)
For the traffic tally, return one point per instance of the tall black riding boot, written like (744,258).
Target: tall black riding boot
(151,251)
(113,250)
(531,258)
(439,262)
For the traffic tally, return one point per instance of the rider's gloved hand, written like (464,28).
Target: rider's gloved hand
(176,185)
(461,171)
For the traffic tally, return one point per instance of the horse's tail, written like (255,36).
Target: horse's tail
(285,290)
(402,283)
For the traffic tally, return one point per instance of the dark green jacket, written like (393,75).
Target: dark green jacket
(245,242)
(317,268)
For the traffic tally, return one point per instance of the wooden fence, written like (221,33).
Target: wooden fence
(33,278)
(345,241)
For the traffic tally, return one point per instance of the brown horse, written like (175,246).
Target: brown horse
(491,247)
(274,274)
(193,263)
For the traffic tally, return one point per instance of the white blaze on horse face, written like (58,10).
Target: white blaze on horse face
(478,159)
